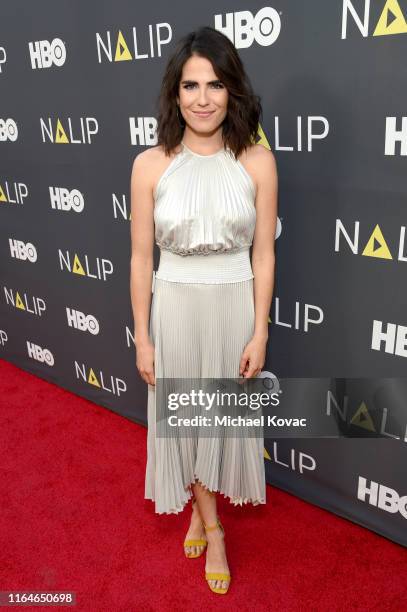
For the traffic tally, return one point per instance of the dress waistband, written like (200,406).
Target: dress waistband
(225,267)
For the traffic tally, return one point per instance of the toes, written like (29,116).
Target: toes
(218,584)
(194,550)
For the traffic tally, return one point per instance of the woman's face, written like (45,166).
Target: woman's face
(202,98)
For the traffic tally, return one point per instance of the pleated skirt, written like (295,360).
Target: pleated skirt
(200,330)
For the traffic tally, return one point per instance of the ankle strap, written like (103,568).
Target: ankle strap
(211,527)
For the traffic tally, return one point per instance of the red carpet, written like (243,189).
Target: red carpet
(74,518)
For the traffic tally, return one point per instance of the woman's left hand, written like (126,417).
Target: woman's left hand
(253,357)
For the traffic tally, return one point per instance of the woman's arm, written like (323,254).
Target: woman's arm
(264,169)
(142,261)
(263,255)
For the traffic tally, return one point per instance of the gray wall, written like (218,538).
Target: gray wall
(330,78)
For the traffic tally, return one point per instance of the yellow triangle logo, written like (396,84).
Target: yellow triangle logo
(61,137)
(265,453)
(77,266)
(362,418)
(263,139)
(2,195)
(92,380)
(122,51)
(391,20)
(377,246)
(19,302)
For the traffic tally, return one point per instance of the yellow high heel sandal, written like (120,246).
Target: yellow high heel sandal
(217,575)
(187,543)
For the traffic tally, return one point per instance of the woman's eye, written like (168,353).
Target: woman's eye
(215,85)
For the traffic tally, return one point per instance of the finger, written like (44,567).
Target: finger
(243,363)
(246,369)
(252,372)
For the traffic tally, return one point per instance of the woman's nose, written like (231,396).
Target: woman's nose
(203,96)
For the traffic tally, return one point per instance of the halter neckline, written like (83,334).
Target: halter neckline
(199,155)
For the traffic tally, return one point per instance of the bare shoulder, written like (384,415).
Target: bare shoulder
(144,159)
(149,164)
(260,163)
(258,154)
(152,155)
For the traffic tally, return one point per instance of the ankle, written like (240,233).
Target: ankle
(196,518)
(196,521)
(215,535)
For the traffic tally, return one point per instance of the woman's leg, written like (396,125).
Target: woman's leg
(215,555)
(196,529)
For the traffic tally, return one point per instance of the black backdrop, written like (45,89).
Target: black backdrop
(79,84)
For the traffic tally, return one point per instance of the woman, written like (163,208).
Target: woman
(205,193)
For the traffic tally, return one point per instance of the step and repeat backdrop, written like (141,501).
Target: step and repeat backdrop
(79,89)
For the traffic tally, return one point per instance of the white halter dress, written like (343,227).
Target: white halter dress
(202,317)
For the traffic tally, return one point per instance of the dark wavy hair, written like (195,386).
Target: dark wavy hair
(244,107)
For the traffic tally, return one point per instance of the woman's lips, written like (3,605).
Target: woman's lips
(203,115)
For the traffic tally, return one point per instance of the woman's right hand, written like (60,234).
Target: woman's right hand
(145,361)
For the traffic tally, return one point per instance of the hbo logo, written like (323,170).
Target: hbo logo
(8,130)
(44,53)
(243,28)
(383,497)
(39,354)
(63,199)
(22,250)
(79,320)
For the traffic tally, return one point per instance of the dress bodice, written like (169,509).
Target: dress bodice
(204,204)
